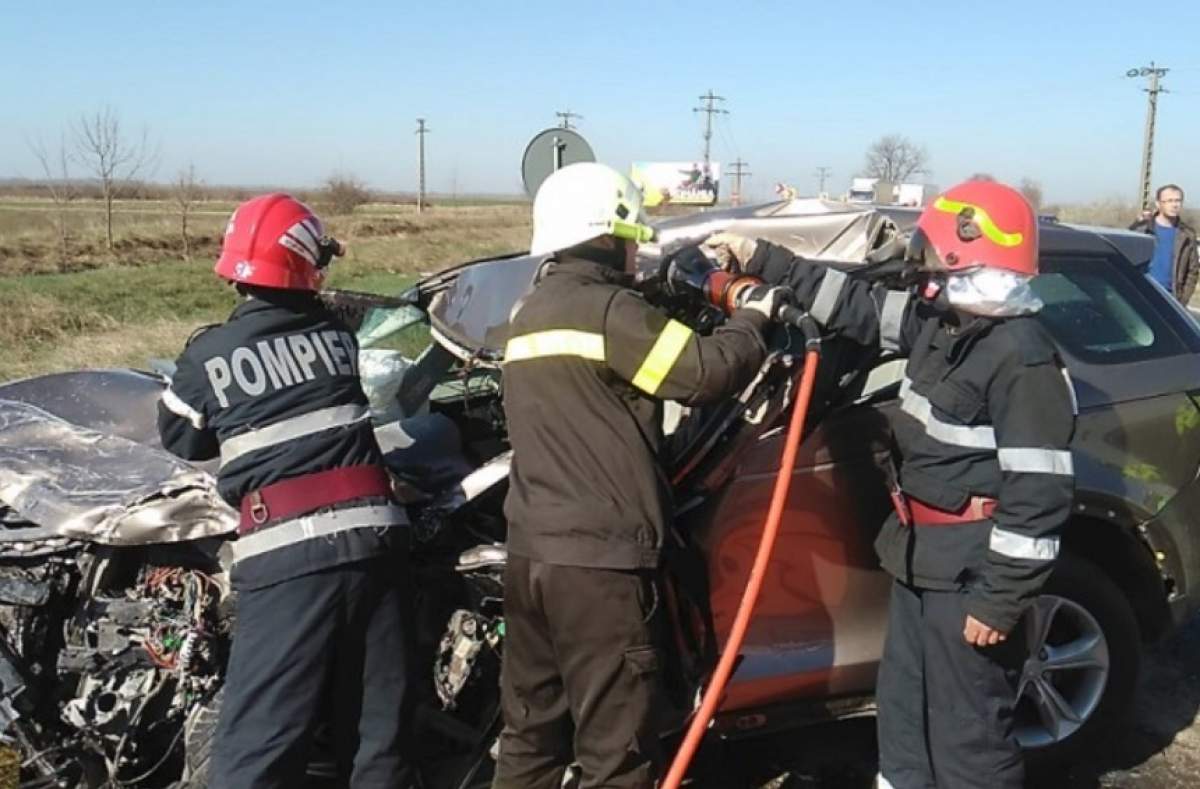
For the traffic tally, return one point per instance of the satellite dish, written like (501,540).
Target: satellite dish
(550,150)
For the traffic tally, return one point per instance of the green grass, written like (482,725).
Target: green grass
(134,295)
(144,300)
(121,317)
(387,283)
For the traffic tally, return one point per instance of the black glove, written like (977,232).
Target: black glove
(686,271)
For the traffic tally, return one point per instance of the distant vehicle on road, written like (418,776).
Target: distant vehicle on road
(878,192)
(864,190)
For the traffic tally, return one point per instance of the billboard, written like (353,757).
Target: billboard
(681,183)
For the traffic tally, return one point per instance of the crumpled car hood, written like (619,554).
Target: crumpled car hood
(471,315)
(83,484)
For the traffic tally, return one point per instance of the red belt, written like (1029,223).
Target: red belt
(304,494)
(977,508)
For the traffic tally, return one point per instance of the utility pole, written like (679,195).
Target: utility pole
(1153,74)
(822,174)
(739,170)
(566,119)
(421,132)
(709,109)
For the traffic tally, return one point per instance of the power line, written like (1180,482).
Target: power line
(1153,74)
(726,129)
(732,151)
(822,173)
(709,109)
(421,132)
(739,171)
(566,117)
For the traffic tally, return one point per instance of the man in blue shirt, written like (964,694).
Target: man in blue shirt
(1162,265)
(1175,265)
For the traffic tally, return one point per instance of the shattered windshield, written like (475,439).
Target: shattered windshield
(401,368)
(404,329)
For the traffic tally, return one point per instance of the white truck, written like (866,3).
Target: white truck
(915,194)
(862,190)
(879,192)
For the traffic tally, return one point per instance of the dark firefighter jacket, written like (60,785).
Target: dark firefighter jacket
(987,409)
(586,369)
(275,393)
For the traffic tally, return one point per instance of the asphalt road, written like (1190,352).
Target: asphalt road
(1160,749)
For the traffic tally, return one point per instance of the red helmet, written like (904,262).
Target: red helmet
(274,241)
(977,224)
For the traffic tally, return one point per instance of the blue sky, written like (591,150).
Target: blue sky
(286,93)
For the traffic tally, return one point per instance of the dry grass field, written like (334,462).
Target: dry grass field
(92,308)
(71,303)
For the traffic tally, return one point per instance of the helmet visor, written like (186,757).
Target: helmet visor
(921,254)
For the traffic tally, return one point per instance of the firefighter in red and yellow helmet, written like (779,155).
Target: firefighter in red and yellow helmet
(982,478)
(274,393)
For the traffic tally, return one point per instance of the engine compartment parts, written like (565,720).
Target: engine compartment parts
(468,634)
(103,664)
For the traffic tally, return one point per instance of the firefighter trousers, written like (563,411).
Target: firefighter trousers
(328,646)
(581,678)
(945,707)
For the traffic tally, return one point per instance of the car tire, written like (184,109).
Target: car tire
(1081,586)
(199,733)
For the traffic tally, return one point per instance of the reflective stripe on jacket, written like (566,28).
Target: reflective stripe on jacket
(985,409)
(586,368)
(275,393)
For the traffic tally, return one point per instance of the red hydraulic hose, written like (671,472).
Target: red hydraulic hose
(737,634)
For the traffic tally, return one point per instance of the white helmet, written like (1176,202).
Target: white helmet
(583,201)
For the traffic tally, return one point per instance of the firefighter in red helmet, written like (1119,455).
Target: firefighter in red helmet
(274,393)
(982,477)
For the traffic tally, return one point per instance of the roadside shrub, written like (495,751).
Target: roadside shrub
(343,193)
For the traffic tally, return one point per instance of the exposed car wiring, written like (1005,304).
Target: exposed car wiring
(172,643)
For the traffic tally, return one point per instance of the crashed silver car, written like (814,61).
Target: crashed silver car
(116,614)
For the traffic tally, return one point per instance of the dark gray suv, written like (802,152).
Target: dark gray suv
(1130,568)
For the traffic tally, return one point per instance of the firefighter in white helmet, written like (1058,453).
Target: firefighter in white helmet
(587,367)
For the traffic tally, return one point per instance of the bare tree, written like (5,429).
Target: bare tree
(113,158)
(57,172)
(1032,191)
(894,158)
(187,191)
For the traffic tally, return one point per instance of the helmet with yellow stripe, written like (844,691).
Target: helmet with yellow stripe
(585,201)
(977,224)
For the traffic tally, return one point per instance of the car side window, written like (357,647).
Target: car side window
(1098,315)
